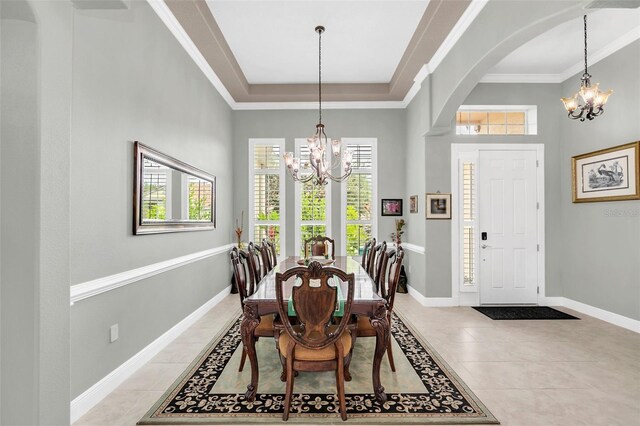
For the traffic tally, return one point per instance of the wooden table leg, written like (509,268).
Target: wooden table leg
(249,323)
(380,324)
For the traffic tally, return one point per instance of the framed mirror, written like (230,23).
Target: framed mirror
(170,195)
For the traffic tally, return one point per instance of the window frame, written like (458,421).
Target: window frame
(298,222)
(467,157)
(252,222)
(530,117)
(374,192)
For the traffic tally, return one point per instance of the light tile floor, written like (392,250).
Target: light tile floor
(527,373)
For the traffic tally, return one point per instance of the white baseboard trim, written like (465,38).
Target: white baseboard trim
(111,282)
(92,396)
(433,302)
(601,314)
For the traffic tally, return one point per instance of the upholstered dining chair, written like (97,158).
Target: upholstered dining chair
(388,292)
(246,287)
(365,253)
(314,343)
(318,246)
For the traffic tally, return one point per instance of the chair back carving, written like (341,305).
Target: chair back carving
(314,301)
(389,291)
(273,256)
(255,265)
(318,246)
(365,254)
(371,257)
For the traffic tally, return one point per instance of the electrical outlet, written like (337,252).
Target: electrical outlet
(113,332)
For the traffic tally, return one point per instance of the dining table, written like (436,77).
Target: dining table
(366,302)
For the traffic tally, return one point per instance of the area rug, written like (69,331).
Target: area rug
(423,390)
(523,313)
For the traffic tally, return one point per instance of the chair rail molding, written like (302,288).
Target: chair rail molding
(111,282)
(413,247)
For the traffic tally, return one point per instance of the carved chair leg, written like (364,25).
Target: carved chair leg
(340,386)
(243,359)
(283,375)
(390,355)
(289,388)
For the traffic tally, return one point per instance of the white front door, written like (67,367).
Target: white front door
(508,227)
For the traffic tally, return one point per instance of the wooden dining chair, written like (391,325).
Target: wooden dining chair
(373,252)
(318,246)
(265,257)
(273,255)
(255,264)
(314,343)
(388,292)
(365,253)
(246,287)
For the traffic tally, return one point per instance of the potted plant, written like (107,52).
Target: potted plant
(396,237)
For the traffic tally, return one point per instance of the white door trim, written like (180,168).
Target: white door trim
(473,298)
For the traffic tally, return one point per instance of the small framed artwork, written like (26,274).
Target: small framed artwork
(611,174)
(392,207)
(413,204)
(438,206)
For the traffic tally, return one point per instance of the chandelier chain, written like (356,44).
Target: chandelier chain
(585,44)
(320,76)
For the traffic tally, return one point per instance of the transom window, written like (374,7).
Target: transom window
(266,191)
(496,120)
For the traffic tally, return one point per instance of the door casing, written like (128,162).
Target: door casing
(464,297)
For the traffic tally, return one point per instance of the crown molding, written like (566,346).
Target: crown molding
(600,54)
(257,106)
(167,17)
(576,68)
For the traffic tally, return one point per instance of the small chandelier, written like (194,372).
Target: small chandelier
(594,100)
(324,155)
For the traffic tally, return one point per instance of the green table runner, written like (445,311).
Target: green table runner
(333,281)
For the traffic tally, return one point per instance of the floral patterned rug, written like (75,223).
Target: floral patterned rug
(423,389)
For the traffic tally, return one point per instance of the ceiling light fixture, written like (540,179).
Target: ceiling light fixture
(324,155)
(594,100)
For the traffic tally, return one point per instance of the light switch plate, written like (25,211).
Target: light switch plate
(113,332)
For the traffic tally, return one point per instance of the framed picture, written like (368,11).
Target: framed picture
(611,174)
(413,204)
(438,206)
(392,207)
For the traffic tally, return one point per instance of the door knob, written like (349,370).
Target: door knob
(485,246)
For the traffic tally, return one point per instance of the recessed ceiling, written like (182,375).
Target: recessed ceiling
(560,49)
(267,51)
(274,42)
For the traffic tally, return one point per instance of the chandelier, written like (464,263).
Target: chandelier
(594,100)
(324,155)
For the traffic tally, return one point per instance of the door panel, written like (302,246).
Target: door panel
(508,213)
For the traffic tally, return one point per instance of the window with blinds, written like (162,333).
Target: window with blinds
(359,198)
(468,223)
(266,196)
(313,203)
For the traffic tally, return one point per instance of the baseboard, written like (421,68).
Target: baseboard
(92,396)
(433,302)
(601,314)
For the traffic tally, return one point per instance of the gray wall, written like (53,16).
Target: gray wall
(35,107)
(133,81)
(601,250)
(570,271)
(388,126)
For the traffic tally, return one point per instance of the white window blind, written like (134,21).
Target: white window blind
(313,204)
(359,197)
(266,192)
(468,218)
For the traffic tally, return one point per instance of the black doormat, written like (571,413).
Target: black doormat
(523,313)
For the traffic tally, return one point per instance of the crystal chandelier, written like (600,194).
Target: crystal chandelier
(594,100)
(324,155)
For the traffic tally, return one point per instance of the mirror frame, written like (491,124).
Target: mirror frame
(142,151)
